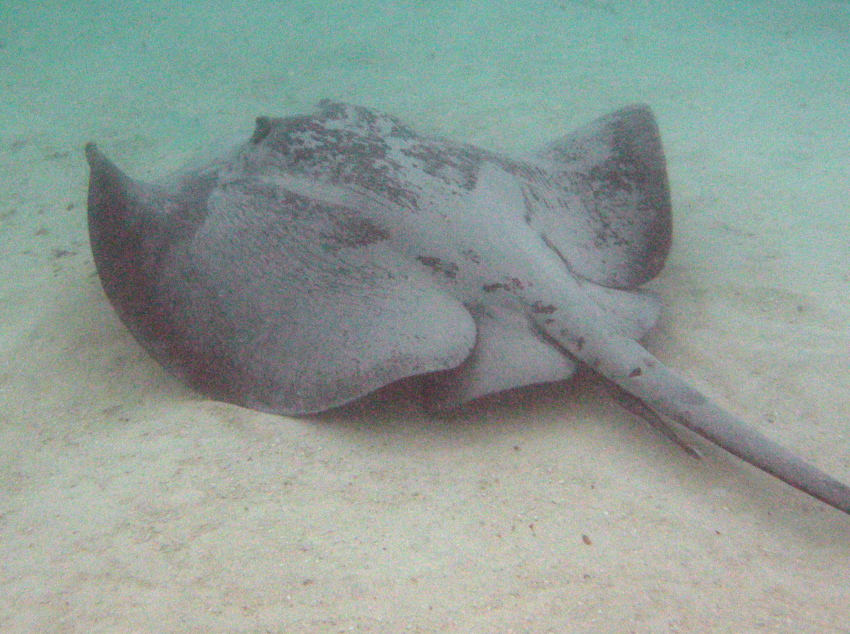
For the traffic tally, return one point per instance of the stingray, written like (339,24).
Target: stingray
(334,253)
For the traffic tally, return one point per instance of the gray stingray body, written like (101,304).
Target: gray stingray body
(335,253)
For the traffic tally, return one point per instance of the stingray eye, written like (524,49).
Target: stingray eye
(264,126)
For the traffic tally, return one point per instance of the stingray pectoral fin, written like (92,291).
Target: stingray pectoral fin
(264,298)
(635,370)
(310,303)
(609,210)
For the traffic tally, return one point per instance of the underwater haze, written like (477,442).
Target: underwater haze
(129,502)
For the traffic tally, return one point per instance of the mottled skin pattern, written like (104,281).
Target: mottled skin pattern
(337,252)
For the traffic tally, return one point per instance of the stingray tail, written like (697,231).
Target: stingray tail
(666,393)
(627,364)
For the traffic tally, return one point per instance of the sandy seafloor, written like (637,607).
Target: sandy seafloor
(128,503)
